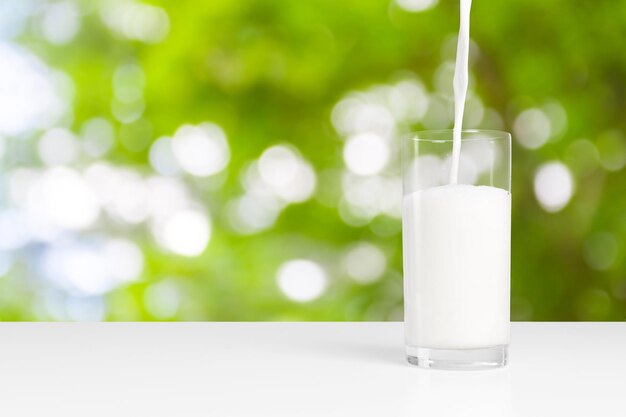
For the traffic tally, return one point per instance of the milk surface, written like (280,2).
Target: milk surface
(456,242)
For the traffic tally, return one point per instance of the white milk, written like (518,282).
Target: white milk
(460,86)
(456,266)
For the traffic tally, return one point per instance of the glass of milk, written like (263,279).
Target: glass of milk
(457,249)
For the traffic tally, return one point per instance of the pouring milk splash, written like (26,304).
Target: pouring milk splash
(460,86)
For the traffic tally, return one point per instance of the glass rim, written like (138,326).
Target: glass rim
(490,135)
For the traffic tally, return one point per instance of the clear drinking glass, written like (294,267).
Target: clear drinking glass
(456,249)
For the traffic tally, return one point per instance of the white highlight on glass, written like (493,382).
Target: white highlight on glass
(482,154)
(366,154)
(425,171)
(467,169)
(201,150)
(532,128)
(302,280)
(365,263)
(554,186)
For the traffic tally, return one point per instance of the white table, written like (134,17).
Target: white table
(299,369)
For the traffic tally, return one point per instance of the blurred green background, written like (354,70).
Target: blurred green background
(238,160)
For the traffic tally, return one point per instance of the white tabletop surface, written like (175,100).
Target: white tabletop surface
(299,369)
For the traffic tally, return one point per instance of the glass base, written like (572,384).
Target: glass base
(459,359)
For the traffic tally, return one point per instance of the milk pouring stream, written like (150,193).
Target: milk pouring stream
(460,86)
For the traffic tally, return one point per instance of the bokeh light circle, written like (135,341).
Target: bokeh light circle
(201,150)
(416,5)
(302,280)
(365,263)
(532,128)
(366,154)
(554,186)
(185,232)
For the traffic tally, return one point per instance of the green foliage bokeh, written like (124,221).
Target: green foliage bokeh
(271,72)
